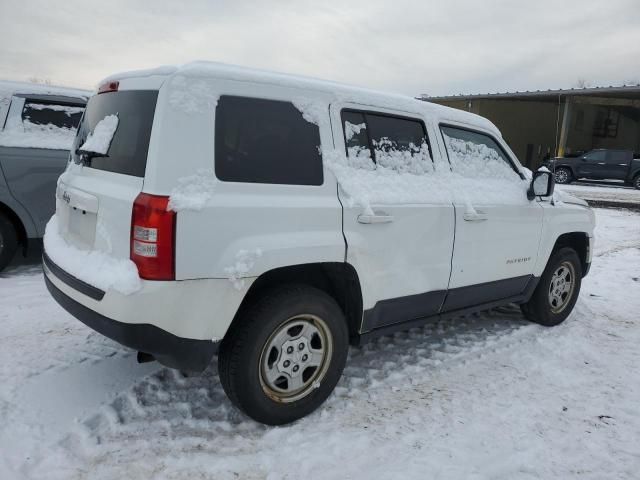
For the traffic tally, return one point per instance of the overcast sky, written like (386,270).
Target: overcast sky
(409,46)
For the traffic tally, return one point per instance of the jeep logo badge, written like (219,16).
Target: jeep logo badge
(66,197)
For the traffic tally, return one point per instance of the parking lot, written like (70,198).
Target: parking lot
(488,396)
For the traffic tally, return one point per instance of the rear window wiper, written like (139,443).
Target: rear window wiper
(85,156)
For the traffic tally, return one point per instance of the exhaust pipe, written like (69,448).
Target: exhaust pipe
(144,357)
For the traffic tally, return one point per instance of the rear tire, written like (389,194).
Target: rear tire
(284,354)
(8,241)
(563,175)
(636,182)
(558,289)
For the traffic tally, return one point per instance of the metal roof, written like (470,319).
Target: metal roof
(622,91)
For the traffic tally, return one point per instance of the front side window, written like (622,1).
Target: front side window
(476,155)
(395,143)
(265,141)
(598,156)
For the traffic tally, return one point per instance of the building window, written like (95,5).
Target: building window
(606,124)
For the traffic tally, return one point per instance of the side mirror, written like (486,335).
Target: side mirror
(542,185)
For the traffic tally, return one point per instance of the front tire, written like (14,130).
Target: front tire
(558,289)
(8,241)
(563,176)
(284,355)
(636,182)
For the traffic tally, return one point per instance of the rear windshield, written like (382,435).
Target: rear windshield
(127,151)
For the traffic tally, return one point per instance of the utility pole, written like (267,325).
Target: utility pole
(564,129)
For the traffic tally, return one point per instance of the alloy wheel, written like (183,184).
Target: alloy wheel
(561,287)
(295,358)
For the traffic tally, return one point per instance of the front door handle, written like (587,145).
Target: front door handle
(475,216)
(377,217)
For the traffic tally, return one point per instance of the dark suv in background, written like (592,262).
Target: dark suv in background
(598,164)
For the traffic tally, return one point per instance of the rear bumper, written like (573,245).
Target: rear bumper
(168,349)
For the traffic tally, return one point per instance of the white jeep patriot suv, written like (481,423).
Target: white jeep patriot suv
(277,219)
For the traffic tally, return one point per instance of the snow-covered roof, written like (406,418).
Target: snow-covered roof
(10,88)
(343,92)
(611,90)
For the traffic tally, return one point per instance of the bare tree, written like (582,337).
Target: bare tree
(41,81)
(582,83)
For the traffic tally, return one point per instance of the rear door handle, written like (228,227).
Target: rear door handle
(475,216)
(377,217)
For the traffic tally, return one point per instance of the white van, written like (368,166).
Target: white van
(282,218)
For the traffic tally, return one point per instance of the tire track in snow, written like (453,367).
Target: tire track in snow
(167,407)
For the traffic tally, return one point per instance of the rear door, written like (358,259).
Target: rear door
(617,164)
(34,147)
(401,250)
(96,193)
(496,241)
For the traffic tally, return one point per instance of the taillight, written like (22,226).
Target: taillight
(109,87)
(153,237)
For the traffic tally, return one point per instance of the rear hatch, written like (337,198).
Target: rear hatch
(95,195)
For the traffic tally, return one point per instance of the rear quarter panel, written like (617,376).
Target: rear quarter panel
(244,229)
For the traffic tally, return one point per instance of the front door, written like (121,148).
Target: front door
(497,228)
(399,243)
(593,165)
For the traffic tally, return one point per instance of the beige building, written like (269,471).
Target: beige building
(558,122)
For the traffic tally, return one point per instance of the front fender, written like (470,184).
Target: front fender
(559,220)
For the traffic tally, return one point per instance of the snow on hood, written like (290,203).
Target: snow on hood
(564,197)
(91,266)
(100,139)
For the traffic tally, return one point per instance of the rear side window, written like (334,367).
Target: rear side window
(618,157)
(476,155)
(378,140)
(127,151)
(265,141)
(61,116)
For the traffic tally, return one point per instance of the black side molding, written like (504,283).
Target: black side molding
(484,299)
(75,283)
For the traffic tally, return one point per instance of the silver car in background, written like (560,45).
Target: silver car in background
(37,127)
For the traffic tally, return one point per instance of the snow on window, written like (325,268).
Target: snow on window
(403,159)
(476,155)
(434,185)
(360,157)
(351,129)
(31,135)
(100,139)
(94,267)
(68,110)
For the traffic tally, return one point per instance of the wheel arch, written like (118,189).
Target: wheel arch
(338,279)
(578,241)
(13,217)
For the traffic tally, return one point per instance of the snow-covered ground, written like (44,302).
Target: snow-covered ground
(611,192)
(488,396)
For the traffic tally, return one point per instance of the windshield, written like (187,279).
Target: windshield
(125,151)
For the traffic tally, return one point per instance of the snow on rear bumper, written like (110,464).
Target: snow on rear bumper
(198,310)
